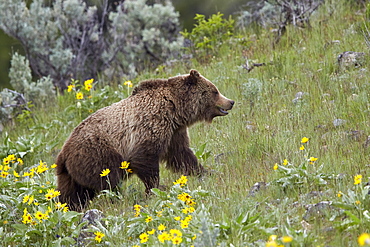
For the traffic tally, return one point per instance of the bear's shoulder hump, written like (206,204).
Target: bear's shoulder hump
(149,85)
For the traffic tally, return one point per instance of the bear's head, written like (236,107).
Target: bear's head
(201,97)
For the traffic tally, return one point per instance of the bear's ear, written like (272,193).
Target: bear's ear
(194,73)
(193,77)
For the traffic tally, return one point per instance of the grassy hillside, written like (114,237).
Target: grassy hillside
(315,202)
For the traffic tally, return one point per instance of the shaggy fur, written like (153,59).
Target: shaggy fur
(144,129)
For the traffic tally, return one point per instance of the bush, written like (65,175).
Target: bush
(69,39)
(17,103)
(21,80)
(279,13)
(208,35)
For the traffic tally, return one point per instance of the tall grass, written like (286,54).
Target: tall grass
(265,127)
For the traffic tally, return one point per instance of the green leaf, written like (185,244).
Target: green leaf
(345,206)
(159,193)
(353,217)
(70,215)
(22,228)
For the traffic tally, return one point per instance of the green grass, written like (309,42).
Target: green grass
(265,127)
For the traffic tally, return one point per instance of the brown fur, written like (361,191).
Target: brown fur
(144,129)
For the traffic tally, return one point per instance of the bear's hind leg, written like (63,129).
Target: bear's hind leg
(72,193)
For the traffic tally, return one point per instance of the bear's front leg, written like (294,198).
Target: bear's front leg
(146,167)
(180,158)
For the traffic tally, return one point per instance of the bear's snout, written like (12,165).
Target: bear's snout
(225,105)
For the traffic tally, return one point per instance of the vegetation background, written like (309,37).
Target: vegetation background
(270,186)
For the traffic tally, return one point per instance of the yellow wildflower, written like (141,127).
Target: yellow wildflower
(177,218)
(27,218)
(176,240)
(4,174)
(364,239)
(164,236)
(175,233)
(181,181)
(144,237)
(88,84)
(190,202)
(285,162)
(6,168)
(271,244)
(54,165)
(339,194)
(188,218)
(28,174)
(98,236)
(305,140)
(312,160)
(301,147)
(39,215)
(70,88)
(286,239)
(188,210)
(51,193)
(272,237)
(79,95)
(11,157)
(151,232)
(149,219)
(90,81)
(16,174)
(161,227)
(31,199)
(128,83)
(6,161)
(124,165)
(20,161)
(137,207)
(61,206)
(357,179)
(104,173)
(184,224)
(184,197)
(276,166)
(41,167)
(26,198)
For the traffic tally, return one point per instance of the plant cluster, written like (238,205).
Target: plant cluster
(279,14)
(17,103)
(208,35)
(28,205)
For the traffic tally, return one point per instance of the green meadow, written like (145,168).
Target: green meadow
(299,128)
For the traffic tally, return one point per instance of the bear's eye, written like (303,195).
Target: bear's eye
(215,92)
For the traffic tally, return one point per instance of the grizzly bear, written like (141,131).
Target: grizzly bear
(148,127)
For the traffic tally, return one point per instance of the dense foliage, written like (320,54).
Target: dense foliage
(69,39)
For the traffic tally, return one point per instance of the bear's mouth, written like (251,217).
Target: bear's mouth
(223,111)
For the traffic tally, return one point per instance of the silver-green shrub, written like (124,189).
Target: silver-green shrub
(13,102)
(21,80)
(69,39)
(142,34)
(278,13)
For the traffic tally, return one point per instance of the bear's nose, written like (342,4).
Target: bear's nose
(232,102)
